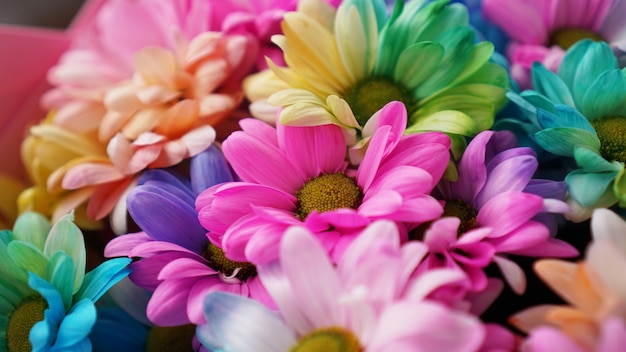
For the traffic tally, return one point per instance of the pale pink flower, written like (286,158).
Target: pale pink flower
(359,302)
(299,176)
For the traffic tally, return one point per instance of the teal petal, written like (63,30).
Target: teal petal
(450,16)
(417,62)
(66,237)
(31,227)
(588,188)
(598,58)
(569,64)
(606,96)
(590,160)
(550,85)
(61,274)
(100,280)
(6,236)
(28,257)
(539,101)
(562,140)
(76,326)
(566,116)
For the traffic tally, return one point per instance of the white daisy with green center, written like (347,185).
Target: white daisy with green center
(580,113)
(343,65)
(46,299)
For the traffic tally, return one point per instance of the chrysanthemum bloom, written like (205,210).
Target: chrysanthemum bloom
(542,30)
(178,262)
(352,307)
(343,65)
(580,113)
(298,175)
(593,288)
(496,208)
(46,149)
(47,299)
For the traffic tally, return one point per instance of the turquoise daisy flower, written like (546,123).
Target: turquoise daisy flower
(46,299)
(580,113)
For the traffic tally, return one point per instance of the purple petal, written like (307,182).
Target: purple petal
(209,168)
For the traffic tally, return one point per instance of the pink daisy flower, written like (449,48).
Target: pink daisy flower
(495,209)
(542,30)
(359,304)
(299,176)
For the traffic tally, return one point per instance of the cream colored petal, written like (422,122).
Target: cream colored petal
(201,47)
(156,95)
(264,111)
(532,317)
(342,111)
(142,121)
(217,104)
(155,65)
(608,263)
(261,85)
(303,114)
(320,11)
(608,226)
(208,77)
(123,99)
(111,124)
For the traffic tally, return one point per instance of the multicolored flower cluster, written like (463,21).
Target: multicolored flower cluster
(324,175)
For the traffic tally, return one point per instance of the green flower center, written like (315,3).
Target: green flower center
(371,94)
(463,211)
(171,338)
(218,261)
(567,37)
(21,321)
(328,192)
(332,339)
(611,132)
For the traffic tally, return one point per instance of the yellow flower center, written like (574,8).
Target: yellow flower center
(371,94)
(21,321)
(328,192)
(463,211)
(611,132)
(332,339)
(567,37)
(173,338)
(218,261)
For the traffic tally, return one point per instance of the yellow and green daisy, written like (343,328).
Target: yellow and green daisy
(345,64)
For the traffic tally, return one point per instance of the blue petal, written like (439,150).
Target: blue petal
(208,169)
(227,315)
(99,280)
(606,96)
(549,84)
(43,333)
(566,116)
(170,182)
(76,326)
(166,218)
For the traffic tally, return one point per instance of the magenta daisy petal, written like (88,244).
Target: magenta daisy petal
(299,175)
(495,208)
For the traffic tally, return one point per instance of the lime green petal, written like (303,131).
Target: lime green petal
(448,121)
(28,257)
(562,140)
(66,237)
(598,58)
(457,147)
(588,188)
(417,62)
(619,187)
(60,272)
(478,90)
(477,60)
(606,96)
(480,109)
(590,160)
(33,228)
(552,86)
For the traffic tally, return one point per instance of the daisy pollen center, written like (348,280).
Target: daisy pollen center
(463,211)
(371,94)
(333,339)
(612,134)
(328,192)
(28,312)
(171,338)
(567,37)
(218,261)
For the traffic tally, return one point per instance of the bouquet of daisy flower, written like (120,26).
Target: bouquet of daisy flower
(320,175)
